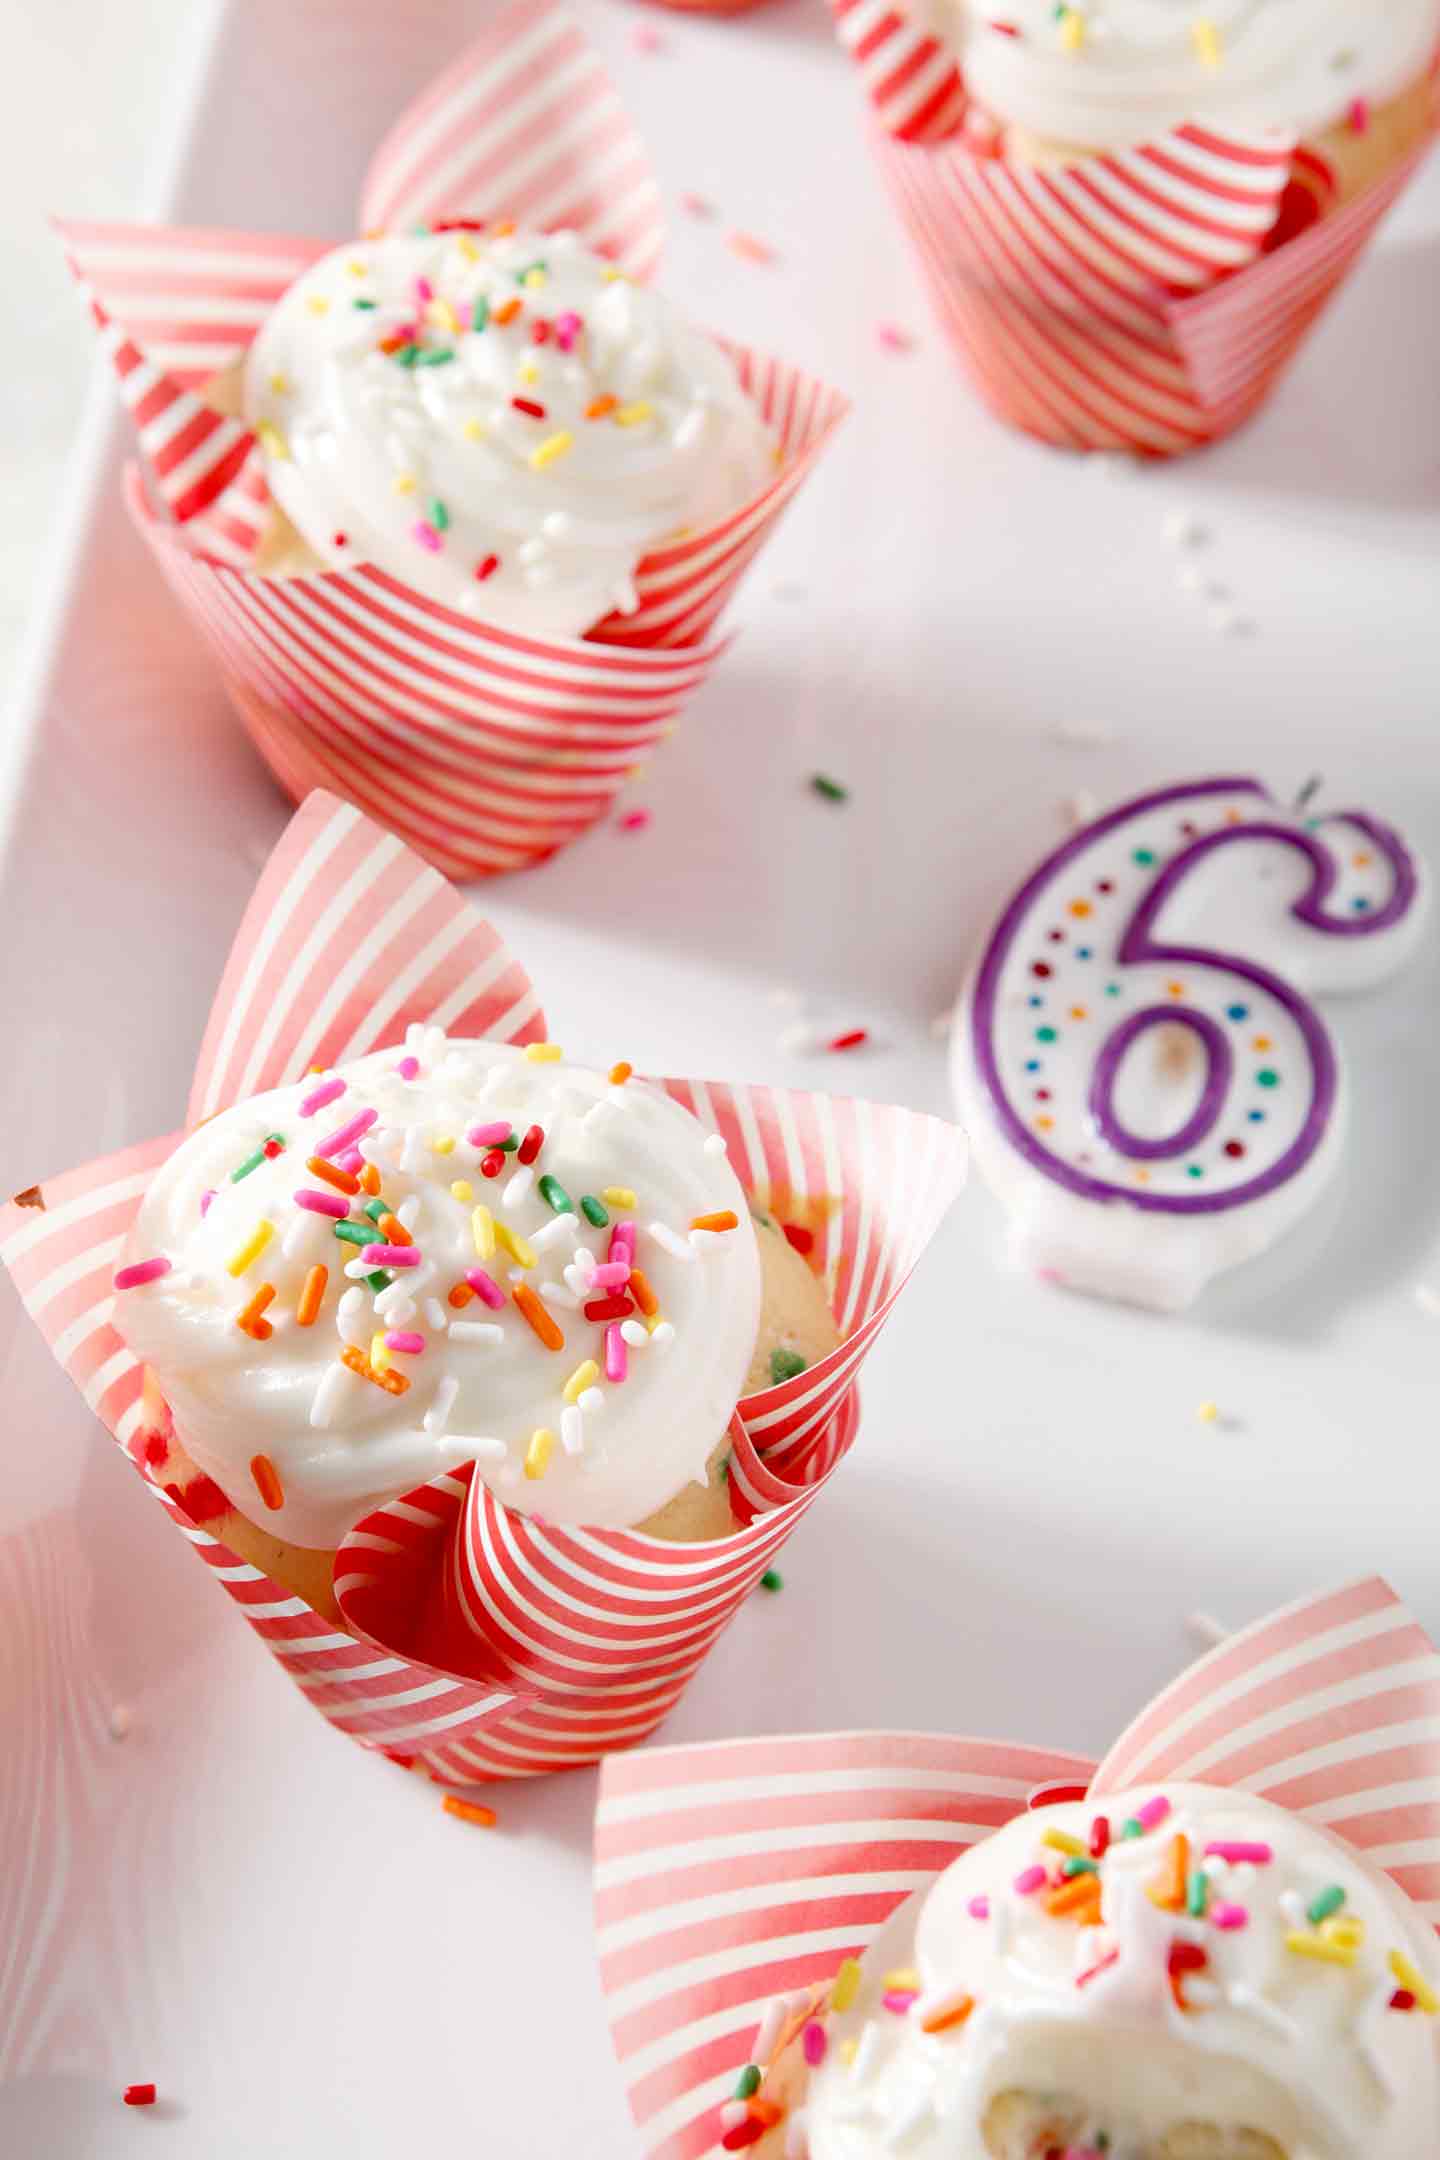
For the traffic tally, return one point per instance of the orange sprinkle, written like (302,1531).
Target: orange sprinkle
(250,1319)
(469,1811)
(1169,1888)
(640,1290)
(394,1383)
(725,1219)
(332,1174)
(619,1074)
(267,1481)
(598,409)
(539,1316)
(502,231)
(505,313)
(1071,1897)
(395,1230)
(764,2111)
(370,1180)
(356,1360)
(460,1296)
(311,1292)
(948,2014)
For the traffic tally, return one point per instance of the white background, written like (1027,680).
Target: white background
(970,631)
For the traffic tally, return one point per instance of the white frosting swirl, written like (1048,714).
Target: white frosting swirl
(557,464)
(1133,69)
(482,1381)
(1249,2033)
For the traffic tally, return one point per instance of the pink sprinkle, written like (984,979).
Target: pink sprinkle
(1029,1880)
(1237,1852)
(409,1068)
(424,291)
(141,1271)
(390,1255)
(634,821)
(622,1244)
(892,337)
(205,1200)
(646,40)
(1084,1979)
(696,206)
(489,1135)
(617,1357)
(346,1135)
(567,328)
(322,1203)
(1229,1916)
(352,1160)
(749,247)
(979,1908)
(318,1097)
(898,2000)
(486,1287)
(406,1342)
(1359,115)
(427,535)
(612,1275)
(813,2043)
(1153,1812)
(733,2114)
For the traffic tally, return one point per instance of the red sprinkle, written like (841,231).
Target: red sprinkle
(531,1145)
(155,1448)
(273,1148)
(744,2133)
(610,1308)
(139,2096)
(1402,1999)
(487,568)
(634,821)
(338,539)
(528,405)
(1186,1957)
(851,1040)
(1099,1837)
(541,331)
(797,1235)
(492,1164)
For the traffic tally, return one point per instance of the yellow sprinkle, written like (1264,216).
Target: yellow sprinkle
(318,304)
(904,1980)
(444,1145)
(473,431)
(1344,1929)
(404,483)
(273,440)
(1316,1946)
(462,1190)
(280,384)
(527,372)
(554,446)
(617,1196)
(467,247)
(535,278)
(441,311)
(847,1985)
(1072,30)
(248,1253)
(1061,1841)
(482,1228)
(612,277)
(583,1376)
(849,2049)
(379,1355)
(1207,41)
(652,1321)
(632,415)
(1409,1976)
(1208,1412)
(355,267)
(522,1254)
(537,1455)
(544,1053)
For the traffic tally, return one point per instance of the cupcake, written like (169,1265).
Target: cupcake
(472,1254)
(1130,215)
(457,506)
(1184,1974)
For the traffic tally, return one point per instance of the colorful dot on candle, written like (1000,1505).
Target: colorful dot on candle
(1084,952)
(1194,1170)
(1042,968)
(1175,989)
(1144,857)
(1360,904)
(1044,1124)
(1050,1035)
(1267,1077)
(1104,885)
(1080,907)
(1262,1043)
(1234,1149)
(1256,1117)
(1113,990)
(1078,1012)
(1237,1012)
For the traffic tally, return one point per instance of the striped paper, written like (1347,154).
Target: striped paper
(1145,300)
(483,749)
(487,1644)
(731,1873)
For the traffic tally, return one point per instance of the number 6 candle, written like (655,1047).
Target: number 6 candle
(1146,1084)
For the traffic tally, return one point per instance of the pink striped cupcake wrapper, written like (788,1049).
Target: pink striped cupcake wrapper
(1147,300)
(483,749)
(484,1643)
(737,1871)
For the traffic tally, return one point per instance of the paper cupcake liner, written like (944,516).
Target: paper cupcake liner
(1145,300)
(486,1643)
(733,1872)
(486,750)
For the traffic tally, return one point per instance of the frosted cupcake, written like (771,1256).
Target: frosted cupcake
(471,1254)
(1184,1974)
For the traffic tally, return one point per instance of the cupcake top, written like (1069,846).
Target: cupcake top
(499,419)
(465,1252)
(1173,1956)
(1105,74)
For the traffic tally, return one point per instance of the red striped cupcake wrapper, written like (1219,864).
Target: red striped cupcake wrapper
(733,1872)
(1146,300)
(486,1644)
(483,749)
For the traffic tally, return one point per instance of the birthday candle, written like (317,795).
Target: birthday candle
(1146,1085)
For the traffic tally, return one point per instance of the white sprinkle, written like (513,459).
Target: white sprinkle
(710,1241)
(518,1188)
(1245,1998)
(408,1211)
(556,1294)
(662,1334)
(350,1317)
(797,2137)
(327,1395)
(632,1332)
(670,1241)
(625,597)
(714,1143)
(119,1721)
(413,1150)
(436,1314)
(767,2033)
(585,1261)
(304,1234)
(691,428)
(532,551)
(389,1300)
(474,1449)
(557,524)
(1201,1994)
(572,1429)
(437,1417)
(1183,529)
(907,2118)
(538,575)
(799,1040)
(600,1111)
(476,1331)
(516,1274)
(403,1309)
(358,1270)
(551,1232)
(733,2114)
(1293,1907)
(865,2052)
(591,1401)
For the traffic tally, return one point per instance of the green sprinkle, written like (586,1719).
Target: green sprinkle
(480,313)
(772,1579)
(749,2082)
(521,275)
(1079,1867)
(439,516)
(408,355)
(1329,1901)
(381,1279)
(253,1162)
(375,1209)
(1197,1897)
(354,1233)
(785,1365)
(437,357)
(364,303)
(1131,1828)
(553,1193)
(594,1211)
(508,1145)
(724,1471)
(420,228)
(830,789)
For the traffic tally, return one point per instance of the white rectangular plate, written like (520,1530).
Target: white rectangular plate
(294,1943)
